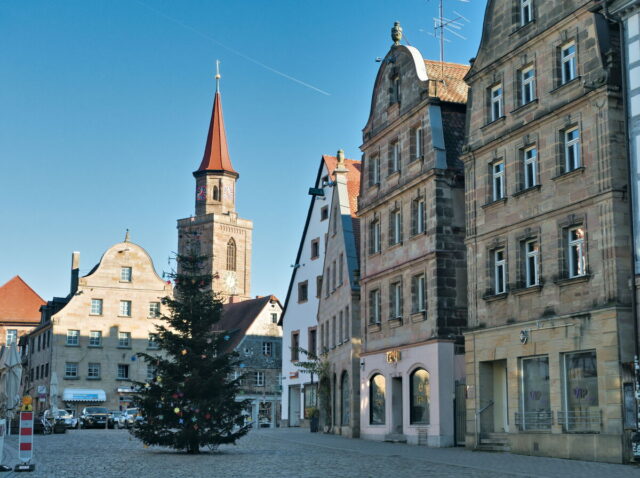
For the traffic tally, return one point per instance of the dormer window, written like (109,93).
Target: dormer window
(216,193)
(526,11)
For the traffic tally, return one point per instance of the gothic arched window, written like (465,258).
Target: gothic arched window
(216,193)
(231,255)
(377,400)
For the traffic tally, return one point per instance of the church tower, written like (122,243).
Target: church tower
(216,231)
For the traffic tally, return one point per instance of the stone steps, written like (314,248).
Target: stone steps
(494,442)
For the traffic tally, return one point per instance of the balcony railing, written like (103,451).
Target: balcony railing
(529,421)
(585,421)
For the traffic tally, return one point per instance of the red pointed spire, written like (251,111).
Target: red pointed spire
(216,152)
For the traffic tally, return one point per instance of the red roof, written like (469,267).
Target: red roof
(216,152)
(19,302)
(453,89)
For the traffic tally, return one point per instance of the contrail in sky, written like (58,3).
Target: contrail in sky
(232,50)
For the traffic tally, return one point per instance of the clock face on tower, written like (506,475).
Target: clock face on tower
(227,192)
(201,193)
(230,282)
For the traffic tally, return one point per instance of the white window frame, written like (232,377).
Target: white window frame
(71,369)
(496,101)
(500,270)
(125,308)
(96,307)
(12,336)
(396,304)
(376,170)
(572,145)
(259,377)
(152,341)
(418,134)
(121,368)
(530,166)
(497,180)
(577,245)
(267,348)
(419,304)
(93,335)
(375,305)
(396,217)
(532,263)
(395,156)
(154,310)
(375,236)
(568,62)
(526,12)
(528,84)
(126,274)
(93,370)
(124,339)
(73,337)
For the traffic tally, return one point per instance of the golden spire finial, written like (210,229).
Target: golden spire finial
(217,76)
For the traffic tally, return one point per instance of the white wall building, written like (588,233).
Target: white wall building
(298,321)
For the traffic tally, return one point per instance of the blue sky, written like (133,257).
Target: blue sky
(105,105)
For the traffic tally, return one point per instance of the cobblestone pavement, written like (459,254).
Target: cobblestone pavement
(285,453)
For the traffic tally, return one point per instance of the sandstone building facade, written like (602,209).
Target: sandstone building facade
(413,271)
(339,307)
(548,234)
(90,341)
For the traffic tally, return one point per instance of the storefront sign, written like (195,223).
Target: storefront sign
(293,374)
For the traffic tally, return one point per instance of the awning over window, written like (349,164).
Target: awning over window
(83,395)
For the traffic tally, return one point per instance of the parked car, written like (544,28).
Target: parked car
(95,417)
(131,416)
(66,417)
(118,418)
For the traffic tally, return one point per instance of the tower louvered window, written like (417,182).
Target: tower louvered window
(231,255)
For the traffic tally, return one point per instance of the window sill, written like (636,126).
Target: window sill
(396,322)
(374,327)
(527,290)
(570,174)
(94,378)
(418,316)
(158,348)
(524,107)
(575,81)
(527,190)
(71,378)
(394,245)
(94,346)
(125,281)
(303,301)
(95,315)
(494,203)
(375,253)
(494,297)
(416,160)
(490,124)
(125,316)
(72,345)
(376,185)
(572,280)
(124,347)
(393,174)
(121,379)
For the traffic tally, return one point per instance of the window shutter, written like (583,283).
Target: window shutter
(412,145)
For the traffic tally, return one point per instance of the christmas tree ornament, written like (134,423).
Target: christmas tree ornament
(177,410)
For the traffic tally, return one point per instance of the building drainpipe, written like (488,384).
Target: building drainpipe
(635,440)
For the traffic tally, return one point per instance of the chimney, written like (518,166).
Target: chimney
(75,271)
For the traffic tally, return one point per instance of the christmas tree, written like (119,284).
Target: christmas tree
(191,401)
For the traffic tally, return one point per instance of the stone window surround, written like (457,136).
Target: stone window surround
(374,244)
(496,79)
(303,291)
(397,280)
(566,36)
(395,208)
(122,371)
(529,234)
(497,243)
(529,140)
(419,195)
(564,225)
(315,248)
(418,314)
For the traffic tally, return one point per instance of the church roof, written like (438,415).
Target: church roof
(453,89)
(216,152)
(19,302)
(237,317)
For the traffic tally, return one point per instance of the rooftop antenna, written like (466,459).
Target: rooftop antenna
(442,24)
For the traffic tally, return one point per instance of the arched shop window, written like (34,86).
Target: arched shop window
(420,395)
(377,401)
(344,405)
